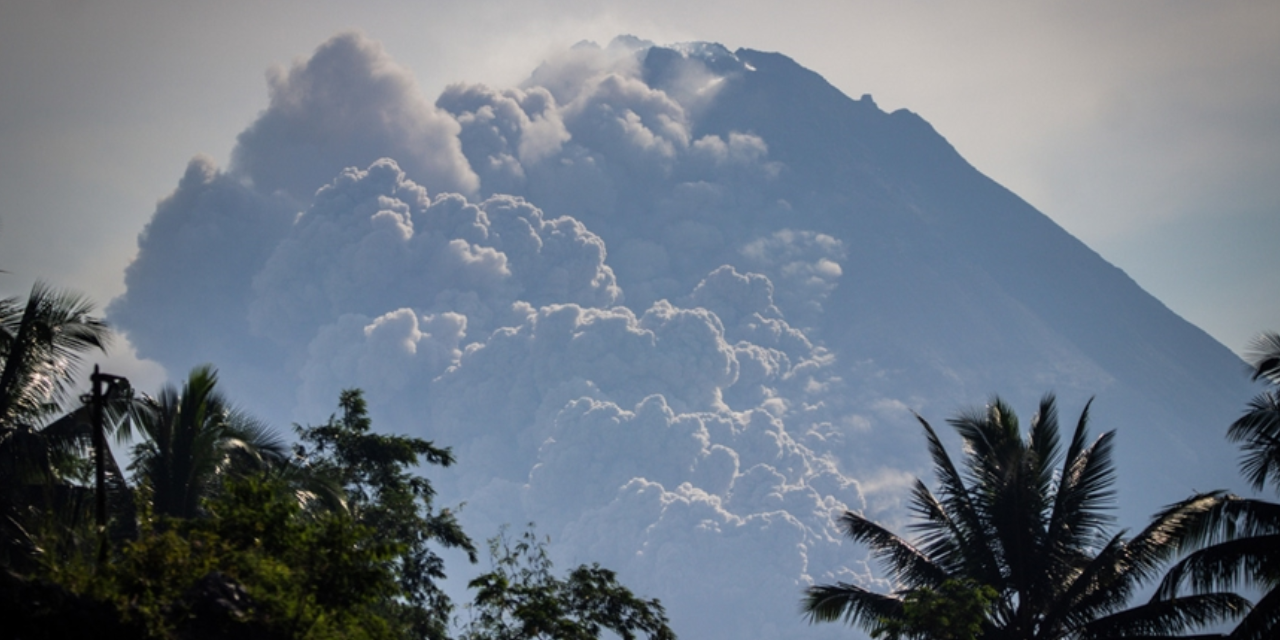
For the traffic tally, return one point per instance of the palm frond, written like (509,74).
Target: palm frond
(1094,585)
(1249,561)
(1173,530)
(905,561)
(315,489)
(253,435)
(941,537)
(1168,617)
(958,503)
(1044,440)
(193,439)
(850,602)
(1264,355)
(1263,621)
(1235,539)
(1259,432)
(42,348)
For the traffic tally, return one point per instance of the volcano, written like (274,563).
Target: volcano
(675,304)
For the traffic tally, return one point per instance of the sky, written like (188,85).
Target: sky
(1148,129)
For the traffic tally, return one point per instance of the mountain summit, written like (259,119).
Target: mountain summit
(674,304)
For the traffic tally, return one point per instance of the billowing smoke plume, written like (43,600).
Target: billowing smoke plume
(672,304)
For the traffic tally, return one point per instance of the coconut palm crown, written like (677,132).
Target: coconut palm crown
(42,341)
(192,440)
(1030,521)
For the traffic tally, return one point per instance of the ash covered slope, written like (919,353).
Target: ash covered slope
(673,304)
(878,179)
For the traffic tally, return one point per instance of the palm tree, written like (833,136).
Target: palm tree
(192,440)
(41,345)
(1259,428)
(42,341)
(1238,540)
(1030,523)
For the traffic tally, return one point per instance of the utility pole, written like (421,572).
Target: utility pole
(99,399)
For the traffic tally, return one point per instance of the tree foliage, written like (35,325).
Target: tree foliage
(253,566)
(382,493)
(956,610)
(521,599)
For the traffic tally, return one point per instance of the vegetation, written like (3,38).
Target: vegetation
(1237,541)
(373,470)
(192,442)
(956,610)
(1026,520)
(254,566)
(42,341)
(1258,430)
(225,532)
(520,599)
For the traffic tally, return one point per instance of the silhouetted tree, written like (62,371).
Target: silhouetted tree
(520,599)
(1028,521)
(42,342)
(374,470)
(192,441)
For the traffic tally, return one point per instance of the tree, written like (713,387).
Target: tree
(1237,542)
(192,440)
(520,599)
(254,560)
(1030,522)
(42,342)
(373,469)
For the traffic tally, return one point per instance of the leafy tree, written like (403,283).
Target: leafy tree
(956,610)
(192,440)
(255,566)
(520,599)
(382,493)
(253,560)
(1237,541)
(1027,520)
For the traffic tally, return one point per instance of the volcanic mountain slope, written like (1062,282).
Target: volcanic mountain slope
(675,304)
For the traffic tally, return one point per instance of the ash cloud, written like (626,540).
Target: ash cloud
(349,104)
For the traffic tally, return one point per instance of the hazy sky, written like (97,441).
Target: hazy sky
(1150,130)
